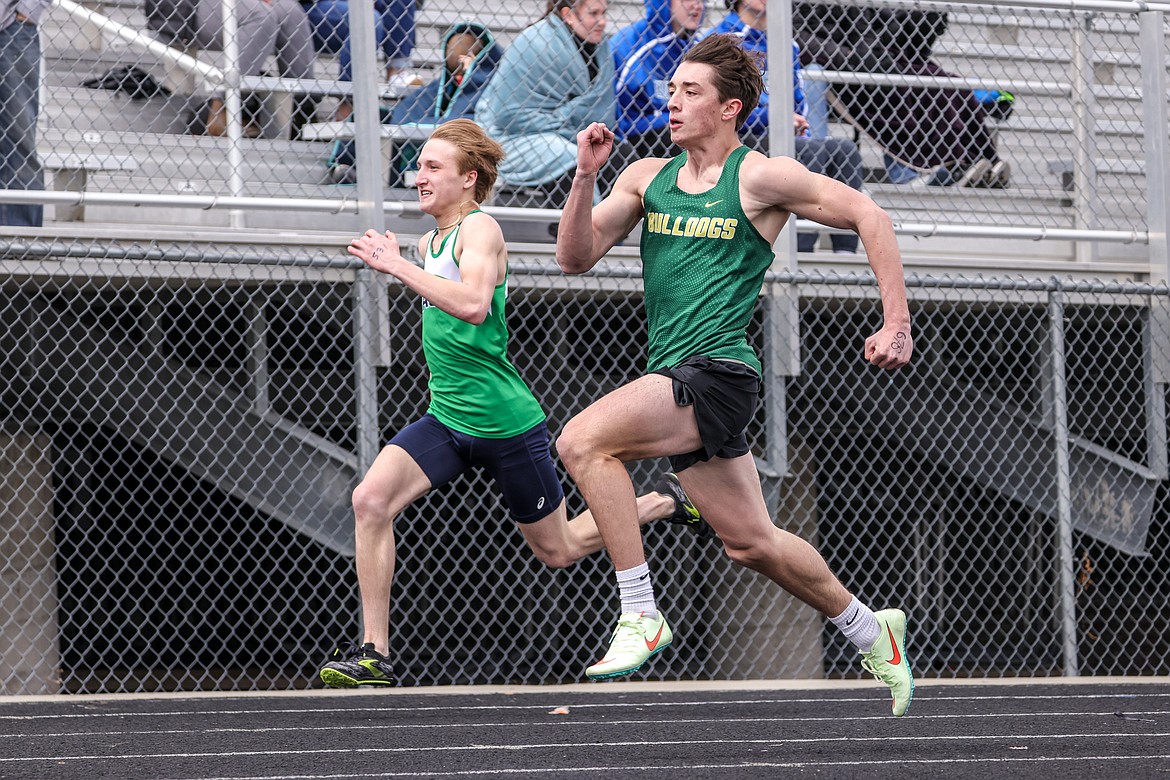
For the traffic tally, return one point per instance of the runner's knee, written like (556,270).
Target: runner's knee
(554,558)
(571,446)
(550,542)
(372,505)
(751,553)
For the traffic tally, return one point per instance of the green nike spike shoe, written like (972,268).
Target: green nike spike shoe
(351,666)
(887,660)
(636,640)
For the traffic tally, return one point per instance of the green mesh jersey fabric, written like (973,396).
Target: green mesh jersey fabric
(474,388)
(703,264)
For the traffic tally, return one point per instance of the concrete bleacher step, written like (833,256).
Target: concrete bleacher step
(106,111)
(68,104)
(199,165)
(184,164)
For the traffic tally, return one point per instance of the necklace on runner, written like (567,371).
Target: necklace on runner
(462,216)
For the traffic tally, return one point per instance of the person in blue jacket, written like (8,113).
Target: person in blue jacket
(748,21)
(471,55)
(555,79)
(646,54)
(837,158)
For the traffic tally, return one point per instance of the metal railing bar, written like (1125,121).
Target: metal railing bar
(350,206)
(141,40)
(1046,88)
(205,252)
(25,249)
(1102,6)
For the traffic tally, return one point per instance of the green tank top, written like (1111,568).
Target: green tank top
(474,388)
(703,264)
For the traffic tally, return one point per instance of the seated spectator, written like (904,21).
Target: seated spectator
(266,27)
(646,54)
(470,57)
(554,79)
(837,158)
(922,130)
(393,30)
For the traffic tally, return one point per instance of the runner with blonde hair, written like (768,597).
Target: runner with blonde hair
(481,413)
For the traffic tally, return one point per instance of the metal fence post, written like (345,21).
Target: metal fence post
(369,292)
(781,303)
(1155,357)
(1062,477)
(1157,148)
(1157,137)
(1084,132)
(777,308)
(234,106)
(781,139)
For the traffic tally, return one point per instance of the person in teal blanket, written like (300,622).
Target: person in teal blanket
(555,78)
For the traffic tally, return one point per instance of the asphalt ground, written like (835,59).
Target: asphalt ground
(1096,728)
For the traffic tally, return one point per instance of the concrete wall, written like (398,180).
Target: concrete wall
(779,637)
(29,654)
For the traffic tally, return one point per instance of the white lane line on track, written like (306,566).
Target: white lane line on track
(688,768)
(512,747)
(615,687)
(575,705)
(561,722)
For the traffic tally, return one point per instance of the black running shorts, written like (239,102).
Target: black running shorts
(725,394)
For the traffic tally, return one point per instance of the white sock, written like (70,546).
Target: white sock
(859,625)
(637,592)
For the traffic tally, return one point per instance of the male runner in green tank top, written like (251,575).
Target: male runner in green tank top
(481,412)
(711,215)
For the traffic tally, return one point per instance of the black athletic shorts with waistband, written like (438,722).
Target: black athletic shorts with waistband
(725,395)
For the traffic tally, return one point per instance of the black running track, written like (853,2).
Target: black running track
(1115,728)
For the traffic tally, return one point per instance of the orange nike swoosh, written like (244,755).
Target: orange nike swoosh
(650,645)
(897,659)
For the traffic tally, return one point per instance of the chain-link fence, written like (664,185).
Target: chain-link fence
(182,419)
(178,443)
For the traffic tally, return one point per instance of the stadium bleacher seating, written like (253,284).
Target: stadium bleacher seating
(1039,140)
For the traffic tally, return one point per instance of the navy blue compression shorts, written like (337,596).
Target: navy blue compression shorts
(521,465)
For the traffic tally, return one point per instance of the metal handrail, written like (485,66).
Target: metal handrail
(210,74)
(1044,88)
(1075,6)
(407,209)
